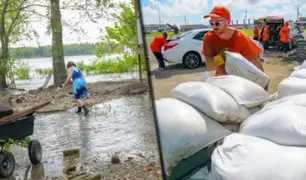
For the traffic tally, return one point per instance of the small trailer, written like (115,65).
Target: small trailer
(18,126)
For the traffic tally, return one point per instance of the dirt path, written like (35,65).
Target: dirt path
(62,99)
(165,81)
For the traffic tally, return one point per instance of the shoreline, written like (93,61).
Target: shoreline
(62,99)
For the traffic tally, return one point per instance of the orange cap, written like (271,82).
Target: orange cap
(219,11)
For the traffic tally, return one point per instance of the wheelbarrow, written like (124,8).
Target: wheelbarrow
(17,130)
(18,126)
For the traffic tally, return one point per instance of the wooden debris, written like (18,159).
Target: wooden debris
(27,111)
(70,152)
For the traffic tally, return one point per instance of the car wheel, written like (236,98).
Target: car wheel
(192,60)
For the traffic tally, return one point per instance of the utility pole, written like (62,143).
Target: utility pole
(185,20)
(298,12)
(245,18)
(159,19)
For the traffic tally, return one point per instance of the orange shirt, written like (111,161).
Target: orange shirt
(239,43)
(266,34)
(157,43)
(284,34)
(256,32)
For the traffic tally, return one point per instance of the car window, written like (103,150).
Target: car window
(200,35)
(185,34)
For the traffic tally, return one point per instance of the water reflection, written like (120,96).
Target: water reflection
(124,125)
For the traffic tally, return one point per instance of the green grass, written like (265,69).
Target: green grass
(125,64)
(159,33)
(22,73)
(249,32)
(128,63)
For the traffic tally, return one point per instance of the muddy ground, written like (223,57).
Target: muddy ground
(135,166)
(62,99)
(164,81)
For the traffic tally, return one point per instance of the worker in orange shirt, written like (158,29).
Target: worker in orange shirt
(284,38)
(256,33)
(222,36)
(156,47)
(265,37)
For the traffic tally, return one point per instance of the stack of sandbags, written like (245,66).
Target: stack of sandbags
(299,54)
(236,64)
(303,65)
(184,131)
(294,84)
(244,157)
(244,92)
(283,124)
(268,142)
(197,113)
(299,99)
(212,101)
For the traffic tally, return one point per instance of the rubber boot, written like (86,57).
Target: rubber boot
(79,109)
(86,110)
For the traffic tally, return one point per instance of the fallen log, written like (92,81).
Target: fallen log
(24,112)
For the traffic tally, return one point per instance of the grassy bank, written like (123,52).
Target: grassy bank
(159,33)
(125,64)
(249,32)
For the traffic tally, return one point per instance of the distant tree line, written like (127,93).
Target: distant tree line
(46,51)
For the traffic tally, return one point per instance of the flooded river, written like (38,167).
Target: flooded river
(42,63)
(124,126)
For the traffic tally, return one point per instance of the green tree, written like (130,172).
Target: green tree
(124,30)
(15,16)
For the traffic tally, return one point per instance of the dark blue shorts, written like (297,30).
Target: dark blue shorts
(285,47)
(81,93)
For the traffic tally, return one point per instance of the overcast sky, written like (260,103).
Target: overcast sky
(91,33)
(173,11)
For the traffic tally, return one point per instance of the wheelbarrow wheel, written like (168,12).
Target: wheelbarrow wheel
(35,152)
(7,164)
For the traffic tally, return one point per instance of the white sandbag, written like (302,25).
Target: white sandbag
(184,131)
(204,76)
(291,86)
(284,125)
(236,64)
(211,101)
(242,90)
(303,66)
(243,157)
(300,73)
(254,110)
(259,44)
(299,99)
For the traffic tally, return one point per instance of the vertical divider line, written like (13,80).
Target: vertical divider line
(151,92)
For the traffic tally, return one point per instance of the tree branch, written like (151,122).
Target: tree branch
(41,15)
(25,7)
(15,19)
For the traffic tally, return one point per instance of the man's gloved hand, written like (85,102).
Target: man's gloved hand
(220,58)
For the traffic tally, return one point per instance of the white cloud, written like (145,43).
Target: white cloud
(192,9)
(175,8)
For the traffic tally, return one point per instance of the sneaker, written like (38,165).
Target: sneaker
(86,110)
(79,110)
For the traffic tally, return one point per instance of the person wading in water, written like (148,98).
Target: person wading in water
(78,86)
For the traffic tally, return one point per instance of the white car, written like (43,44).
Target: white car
(186,49)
